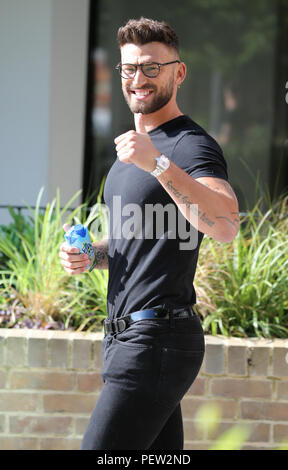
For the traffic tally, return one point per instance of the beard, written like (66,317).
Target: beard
(159,101)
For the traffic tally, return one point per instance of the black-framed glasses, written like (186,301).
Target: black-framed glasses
(149,69)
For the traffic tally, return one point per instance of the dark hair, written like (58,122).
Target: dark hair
(144,30)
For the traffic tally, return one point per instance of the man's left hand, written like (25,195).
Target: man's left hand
(136,147)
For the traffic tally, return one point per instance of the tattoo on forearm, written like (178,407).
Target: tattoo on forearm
(189,204)
(101,257)
(234,220)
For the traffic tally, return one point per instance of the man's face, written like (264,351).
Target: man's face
(143,94)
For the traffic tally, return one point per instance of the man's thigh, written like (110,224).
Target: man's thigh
(124,420)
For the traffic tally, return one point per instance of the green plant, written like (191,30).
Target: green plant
(87,307)
(242,286)
(10,234)
(36,292)
(33,278)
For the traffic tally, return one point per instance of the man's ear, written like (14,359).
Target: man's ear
(181,73)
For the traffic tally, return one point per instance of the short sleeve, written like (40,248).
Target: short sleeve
(200,155)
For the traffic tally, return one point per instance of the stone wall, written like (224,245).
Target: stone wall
(49,383)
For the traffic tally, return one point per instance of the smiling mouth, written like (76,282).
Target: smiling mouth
(141,94)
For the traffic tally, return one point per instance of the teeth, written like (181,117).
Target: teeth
(141,93)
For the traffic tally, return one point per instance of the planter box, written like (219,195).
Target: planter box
(50,381)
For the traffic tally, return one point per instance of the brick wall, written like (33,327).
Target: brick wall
(49,383)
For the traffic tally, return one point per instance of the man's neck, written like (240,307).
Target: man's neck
(165,114)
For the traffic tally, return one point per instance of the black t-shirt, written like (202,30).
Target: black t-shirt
(152,265)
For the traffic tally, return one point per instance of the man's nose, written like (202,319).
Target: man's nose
(139,78)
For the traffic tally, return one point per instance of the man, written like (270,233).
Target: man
(154,343)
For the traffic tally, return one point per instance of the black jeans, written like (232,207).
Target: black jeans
(147,369)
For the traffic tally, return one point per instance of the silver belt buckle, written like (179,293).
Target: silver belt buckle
(121,325)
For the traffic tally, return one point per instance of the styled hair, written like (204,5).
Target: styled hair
(145,30)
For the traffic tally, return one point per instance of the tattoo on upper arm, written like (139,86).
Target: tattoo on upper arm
(220,185)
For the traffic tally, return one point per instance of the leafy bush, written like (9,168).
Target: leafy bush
(242,286)
(36,291)
(11,233)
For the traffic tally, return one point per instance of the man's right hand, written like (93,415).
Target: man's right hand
(72,261)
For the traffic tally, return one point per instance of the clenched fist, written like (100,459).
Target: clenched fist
(136,147)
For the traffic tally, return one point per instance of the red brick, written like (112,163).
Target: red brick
(198,387)
(69,403)
(259,361)
(19,401)
(16,351)
(37,352)
(259,446)
(219,429)
(2,423)
(241,388)
(59,349)
(2,378)
(191,431)
(237,360)
(19,443)
(190,407)
(280,433)
(214,358)
(60,444)
(274,411)
(42,380)
(81,353)
(282,390)
(280,362)
(81,425)
(192,445)
(89,382)
(259,432)
(97,357)
(40,424)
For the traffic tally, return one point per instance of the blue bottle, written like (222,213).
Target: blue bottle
(78,236)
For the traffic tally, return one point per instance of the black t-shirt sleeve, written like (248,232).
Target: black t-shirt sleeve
(200,155)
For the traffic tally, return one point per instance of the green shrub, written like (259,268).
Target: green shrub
(36,292)
(242,286)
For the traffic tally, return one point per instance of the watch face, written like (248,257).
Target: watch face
(162,164)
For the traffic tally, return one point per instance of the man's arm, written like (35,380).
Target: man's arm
(215,209)
(208,203)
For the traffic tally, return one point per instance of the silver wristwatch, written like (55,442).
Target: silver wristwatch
(162,164)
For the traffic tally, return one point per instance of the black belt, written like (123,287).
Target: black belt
(120,324)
